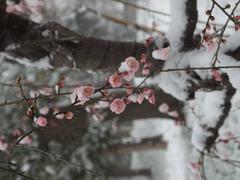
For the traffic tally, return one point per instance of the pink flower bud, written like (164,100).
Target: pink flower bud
(29,112)
(69,115)
(117,106)
(115,81)
(41,121)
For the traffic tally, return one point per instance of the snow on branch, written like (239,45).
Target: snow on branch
(183,23)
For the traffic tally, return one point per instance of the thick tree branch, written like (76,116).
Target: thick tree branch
(192,17)
(64,48)
(230,91)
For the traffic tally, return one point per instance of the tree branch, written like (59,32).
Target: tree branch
(60,43)
(192,17)
(230,91)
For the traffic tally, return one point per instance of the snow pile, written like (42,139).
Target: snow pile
(208,107)
(177,83)
(177,24)
(171,164)
(42,63)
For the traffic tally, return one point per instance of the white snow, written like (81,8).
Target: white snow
(177,24)
(42,63)
(170,164)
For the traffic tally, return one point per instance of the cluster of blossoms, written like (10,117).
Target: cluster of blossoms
(127,71)
(121,80)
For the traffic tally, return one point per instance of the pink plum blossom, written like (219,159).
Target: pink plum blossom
(115,81)
(69,115)
(132,64)
(216,75)
(81,94)
(161,54)
(41,121)
(118,106)
(88,91)
(3,145)
(149,95)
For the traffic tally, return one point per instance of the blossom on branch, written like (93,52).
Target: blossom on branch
(41,121)
(81,94)
(115,81)
(118,106)
(161,54)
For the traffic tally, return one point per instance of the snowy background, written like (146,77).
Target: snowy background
(171,163)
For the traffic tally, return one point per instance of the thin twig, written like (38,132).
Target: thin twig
(215,56)
(57,157)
